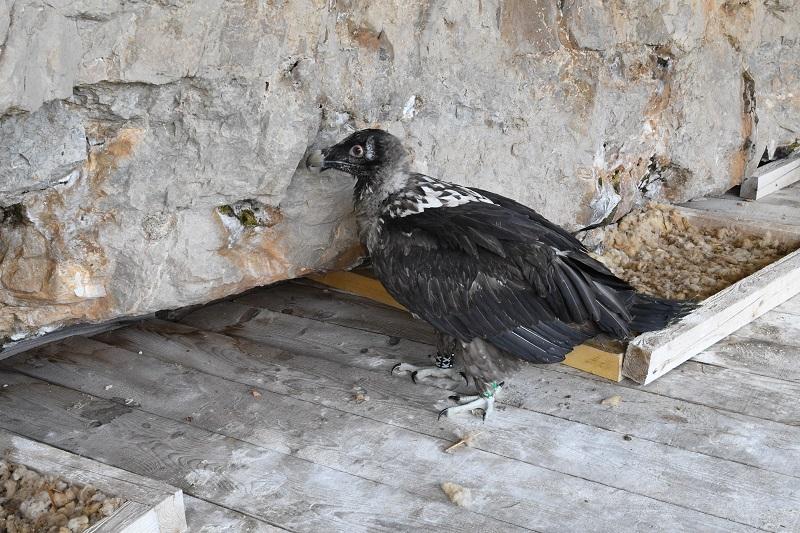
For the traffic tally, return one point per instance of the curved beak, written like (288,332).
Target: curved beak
(316,160)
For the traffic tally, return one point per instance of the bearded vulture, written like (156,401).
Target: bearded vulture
(499,282)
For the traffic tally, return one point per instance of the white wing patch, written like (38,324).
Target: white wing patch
(434,194)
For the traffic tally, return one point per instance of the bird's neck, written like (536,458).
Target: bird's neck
(371,192)
(372,189)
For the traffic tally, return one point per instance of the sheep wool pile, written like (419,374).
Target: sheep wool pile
(31,502)
(660,252)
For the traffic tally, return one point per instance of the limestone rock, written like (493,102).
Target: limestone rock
(150,151)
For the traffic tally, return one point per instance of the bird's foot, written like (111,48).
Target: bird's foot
(422,372)
(484,402)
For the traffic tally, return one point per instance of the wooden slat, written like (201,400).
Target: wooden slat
(315,301)
(717,429)
(81,329)
(653,354)
(131,517)
(732,219)
(791,307)
(769,346)
(771,177)
(719,422)
(291,492)
(151,507)
(588,358)
(754,356)
(779,208)
(362,445)
(506,431)
(777,400)
(206,517)
(358,284)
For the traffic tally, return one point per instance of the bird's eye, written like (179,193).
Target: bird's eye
(357,150)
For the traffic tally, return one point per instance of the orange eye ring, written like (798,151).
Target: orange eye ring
(357,151)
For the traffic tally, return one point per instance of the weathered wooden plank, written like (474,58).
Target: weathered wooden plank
(777,208)
(653,354)
(288,491)
(521,434)
(777,401)
(339,307)
(771,177)
(358,284)
(754,356)
(297,333)
(81,329)
(774,326)
(131,517)
(785,233)
(152,506)
(346,309)
(708,430)
(791,306)
(207,517)
(360,445)
(687,425)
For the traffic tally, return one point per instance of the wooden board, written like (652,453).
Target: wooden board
(206,517)
(721,430)
(587,357)
(653,354)
(151,506)
(278,482)
(358,283)
(738,408)
(582,465)
(14,348)
(782,207)
(771,177)
(372,441)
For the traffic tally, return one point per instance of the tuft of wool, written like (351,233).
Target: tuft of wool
(457,494)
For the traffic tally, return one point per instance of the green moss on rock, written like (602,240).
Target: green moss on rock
(226,210)
(248,218)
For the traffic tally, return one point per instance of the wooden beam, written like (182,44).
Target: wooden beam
(151,507)
(771,177)
(589,358)
(653,354)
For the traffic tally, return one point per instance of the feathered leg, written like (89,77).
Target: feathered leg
(485,364)
(444,364)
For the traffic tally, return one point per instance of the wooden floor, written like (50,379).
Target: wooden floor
(276,411)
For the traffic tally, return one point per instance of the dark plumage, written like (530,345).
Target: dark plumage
(497,280)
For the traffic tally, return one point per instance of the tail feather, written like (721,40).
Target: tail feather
(651,313)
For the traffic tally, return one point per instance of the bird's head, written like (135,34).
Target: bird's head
(370,156)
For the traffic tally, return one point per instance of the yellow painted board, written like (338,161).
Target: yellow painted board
(358,284)
(607,364)
(596,361)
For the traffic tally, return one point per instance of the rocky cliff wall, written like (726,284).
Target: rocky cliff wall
(149,149)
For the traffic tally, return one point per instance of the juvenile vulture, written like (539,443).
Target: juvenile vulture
(499,283)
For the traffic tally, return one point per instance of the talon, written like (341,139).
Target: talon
(414,376)
(443,412)
(454,397)
(395,367)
